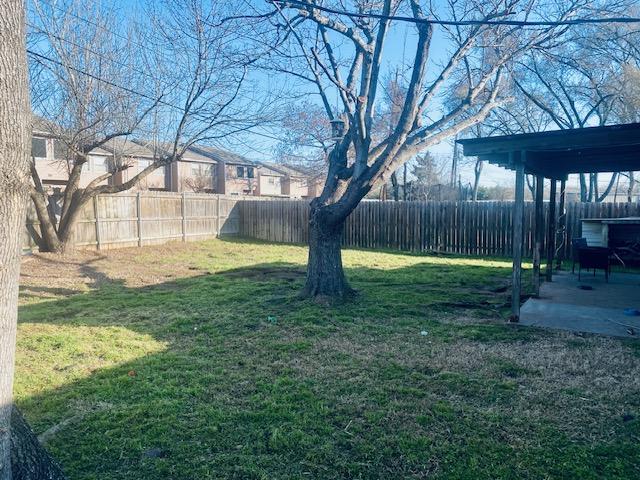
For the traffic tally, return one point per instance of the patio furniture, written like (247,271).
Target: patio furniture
(594,257)
(576,244)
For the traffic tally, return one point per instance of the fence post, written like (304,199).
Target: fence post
(184,217)
(218,217)
(139,221)
(95,215)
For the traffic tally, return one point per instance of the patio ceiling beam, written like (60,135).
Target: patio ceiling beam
(578,139)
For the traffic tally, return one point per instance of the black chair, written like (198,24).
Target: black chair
(596,258)
(576,244)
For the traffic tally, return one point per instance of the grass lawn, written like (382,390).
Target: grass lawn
(198,361)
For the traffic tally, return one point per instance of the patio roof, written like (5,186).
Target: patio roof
(553,155)
(557,153)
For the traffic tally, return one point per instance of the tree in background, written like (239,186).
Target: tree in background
(579,84)
(176,83)
(305,138)
(427,177)
(344,54)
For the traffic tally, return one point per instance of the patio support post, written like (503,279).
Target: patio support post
(562,225)
(538,232)
(518,213)
(551,231)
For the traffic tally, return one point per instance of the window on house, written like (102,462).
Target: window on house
(200,169)
(249,172)
(240,172)
(142,164)
(99,164)
(39,148)
(271,181)
(60,150)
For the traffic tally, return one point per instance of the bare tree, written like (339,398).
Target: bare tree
(305,137)
(344,54)
(582,83)
(427,177)
(95,86)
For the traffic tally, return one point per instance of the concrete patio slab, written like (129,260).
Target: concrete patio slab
(564,305)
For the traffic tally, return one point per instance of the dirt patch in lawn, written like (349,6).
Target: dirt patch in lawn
(52,275)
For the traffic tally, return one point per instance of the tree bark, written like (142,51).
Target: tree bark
(21,456)
(326,281)
(15,139)
(48,240)
(607,191)
(29,460)
(395,187)
(404,182)
(583,188)
(476,179)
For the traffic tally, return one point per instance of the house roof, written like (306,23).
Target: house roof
(191,154)
(129,148)
(41,125)
(557,153)
(270,169)
(290,170)
(222,155)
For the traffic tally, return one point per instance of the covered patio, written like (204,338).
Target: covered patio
(554,155)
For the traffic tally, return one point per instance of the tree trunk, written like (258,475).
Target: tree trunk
(325,276)
(21,456)
(15,139)
(630,188)
(607,191)
(48,241)
(404,182)
(476,180)
(61,239)
(395,187)
(29,460)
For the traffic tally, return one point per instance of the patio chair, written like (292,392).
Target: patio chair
(576,244)
(596,258)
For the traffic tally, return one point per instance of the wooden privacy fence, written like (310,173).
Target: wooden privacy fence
(471,228)
(148,218)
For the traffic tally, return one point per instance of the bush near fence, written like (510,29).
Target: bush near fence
(147,218)
(468,228)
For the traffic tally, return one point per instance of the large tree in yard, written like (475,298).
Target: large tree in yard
(340,47)
(21,456)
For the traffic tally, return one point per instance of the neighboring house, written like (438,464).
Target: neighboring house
(236,175)
(52,159)
(201,169)
(296,182)
(270,181)
(194,173)
(137,156)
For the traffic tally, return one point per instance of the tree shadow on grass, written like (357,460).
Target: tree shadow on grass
(221,376)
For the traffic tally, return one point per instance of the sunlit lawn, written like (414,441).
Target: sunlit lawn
(198,361)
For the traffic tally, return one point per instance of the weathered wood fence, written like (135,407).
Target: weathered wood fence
(471,228)
(148,218)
